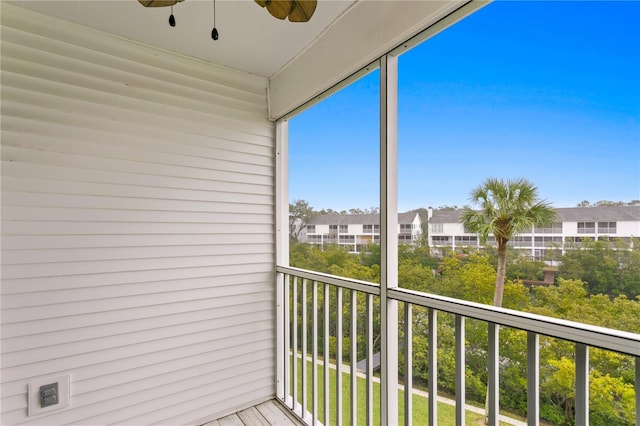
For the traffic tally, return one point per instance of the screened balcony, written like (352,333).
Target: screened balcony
(333,392)
(144,215)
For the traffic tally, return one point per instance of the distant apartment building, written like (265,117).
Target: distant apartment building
(355,231)
(572,226)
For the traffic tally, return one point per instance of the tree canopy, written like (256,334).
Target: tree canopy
(505,209)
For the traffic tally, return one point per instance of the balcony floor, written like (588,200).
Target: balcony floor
(269,413)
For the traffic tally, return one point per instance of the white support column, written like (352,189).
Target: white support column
(369,391)
(294,333)
(582,384)
(637,393)
(461,400)
(314,352)
(408,364)
(326,354)
(353,337)
(389,237)
(338,356)
(282,248)
(305,350)
(494,374)
(286,369)
(433,367)
(533,379)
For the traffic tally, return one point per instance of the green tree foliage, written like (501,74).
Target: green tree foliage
(300,213)
(506,208)
(608,267)
(472,277)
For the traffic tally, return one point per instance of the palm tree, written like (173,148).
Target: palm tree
(506,208)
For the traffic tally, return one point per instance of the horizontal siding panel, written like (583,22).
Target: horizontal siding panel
(137,228)
(113,55)
(214,338)
(35,119)
(88,75)
(93,377)
(91,142)
(132,395)
(23,342)
(87,381)
(244,345)
(98,104)
(143,406)
(68,269)
(152,313)
(231,204)
(193,397)
(30,313)
(191,377)
(91,241)
(115,228)
(39,134)
(204,181)
(19,155)
(135,162)
(136,191)
(146,337)
(126,193)
(129,278)
(64,214)
(28,257)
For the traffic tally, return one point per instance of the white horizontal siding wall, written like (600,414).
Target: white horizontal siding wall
(137,228)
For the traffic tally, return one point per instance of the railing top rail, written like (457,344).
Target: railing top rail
(601,337)
(358,285)
(591,335)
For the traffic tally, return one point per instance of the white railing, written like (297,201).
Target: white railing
(294,287)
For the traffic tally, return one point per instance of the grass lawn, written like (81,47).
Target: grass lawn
(446,413)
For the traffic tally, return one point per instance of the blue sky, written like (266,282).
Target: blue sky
(549,91)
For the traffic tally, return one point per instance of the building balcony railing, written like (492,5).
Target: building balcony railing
(307,301)
(586,230)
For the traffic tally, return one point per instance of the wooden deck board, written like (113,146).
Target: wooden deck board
(274,414)
(251,416)
(269,413)
(232,420)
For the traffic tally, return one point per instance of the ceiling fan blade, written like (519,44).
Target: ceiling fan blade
(279,8)
(295,10)
(158,3)
(302,10)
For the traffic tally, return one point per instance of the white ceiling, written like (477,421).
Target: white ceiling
(250,40)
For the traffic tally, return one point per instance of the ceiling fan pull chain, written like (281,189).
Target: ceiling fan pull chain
(214,31)
(172,20)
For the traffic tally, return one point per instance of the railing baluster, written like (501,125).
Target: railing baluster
(327,355)
(294,379)
(533,379)
(282,305)
(287,337)
(304,349)
(582,384)
(461,399)
(494,370)
(369,359)
(408,364)
(433,367)
(354,357)
(637,387)
(291,317)
(314,356)
(338,356)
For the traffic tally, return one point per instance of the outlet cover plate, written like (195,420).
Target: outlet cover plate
(64,394)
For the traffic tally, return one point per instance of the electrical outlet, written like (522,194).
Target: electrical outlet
(48,394)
